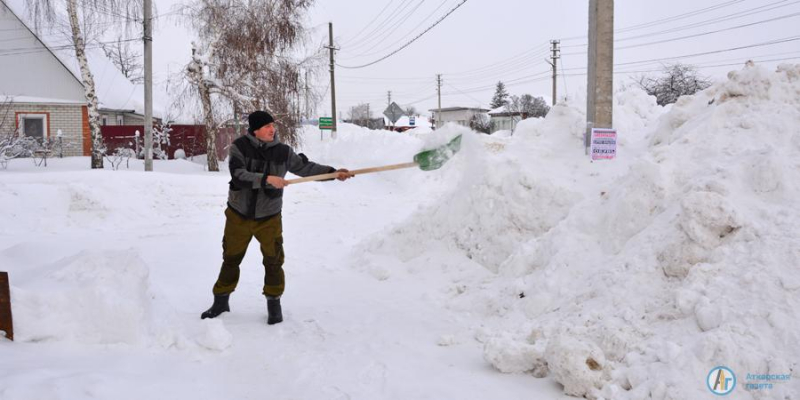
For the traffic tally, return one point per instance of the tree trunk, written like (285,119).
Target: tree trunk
(211,128)
(88,85)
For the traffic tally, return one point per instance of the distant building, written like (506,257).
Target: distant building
(405,123)
(458,115)
(43,95)
(504,120)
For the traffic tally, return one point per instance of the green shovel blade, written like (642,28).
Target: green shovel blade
(430,160)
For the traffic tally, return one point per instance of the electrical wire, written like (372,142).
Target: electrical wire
(769,43)
(31,50)
(372,20)
(390,32)
(678,17)
(480,103)
(412,30)
(374,33)
(689,36)
(408,43)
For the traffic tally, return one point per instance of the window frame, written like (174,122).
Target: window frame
(21,116)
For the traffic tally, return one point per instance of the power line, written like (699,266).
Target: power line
(409,43)
(385,22)
(420,100)
(512,62)
(680,16)
(770,43)
(685,15)
(710,32)
(411,31)
(480,103)
(695,35)
(389,33)
(703,67)
(372,20)
(737,15)
(703,23)
(31,50)
(511,82)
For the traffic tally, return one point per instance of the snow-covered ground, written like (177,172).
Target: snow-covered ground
(519,270)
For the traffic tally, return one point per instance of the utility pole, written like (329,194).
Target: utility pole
(439,91)
(148,85)
(308,110)
(389,95)
(333,81)
(599,99)
(554,63)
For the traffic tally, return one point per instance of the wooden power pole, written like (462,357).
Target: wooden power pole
(148,85)
(333,82)
(599,107)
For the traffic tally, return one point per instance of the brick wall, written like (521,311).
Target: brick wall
(68,118)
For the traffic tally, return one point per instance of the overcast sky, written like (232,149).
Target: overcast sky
(483,42)
(486,41)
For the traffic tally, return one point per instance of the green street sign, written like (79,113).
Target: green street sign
(326,123)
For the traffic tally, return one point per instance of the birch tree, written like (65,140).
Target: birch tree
(84,15)
(197,72)
(245,57)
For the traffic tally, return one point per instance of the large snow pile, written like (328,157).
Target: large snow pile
(629,279)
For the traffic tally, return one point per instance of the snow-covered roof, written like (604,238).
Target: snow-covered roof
(446,109)
(41,100)
(503,111)
(498,110)
(113,89)
(404,121)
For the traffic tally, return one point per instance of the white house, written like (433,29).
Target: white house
(43,94)
(458,115)
(504,120)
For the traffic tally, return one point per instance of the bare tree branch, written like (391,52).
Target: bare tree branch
(126,60)
(677,80)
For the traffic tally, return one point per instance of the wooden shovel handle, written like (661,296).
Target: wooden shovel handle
(354,172)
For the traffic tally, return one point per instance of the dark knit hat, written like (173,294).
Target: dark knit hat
(258,119)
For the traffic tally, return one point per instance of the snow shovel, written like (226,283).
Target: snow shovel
(427,160)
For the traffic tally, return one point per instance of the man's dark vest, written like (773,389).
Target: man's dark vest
(258,161)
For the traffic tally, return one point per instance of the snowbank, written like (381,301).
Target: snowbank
(630,279)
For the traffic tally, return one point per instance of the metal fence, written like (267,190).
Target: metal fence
(189,138)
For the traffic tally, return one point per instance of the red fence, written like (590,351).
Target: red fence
(189,138)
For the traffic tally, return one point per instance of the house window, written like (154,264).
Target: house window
(105,120)
(120,120)
(33,125)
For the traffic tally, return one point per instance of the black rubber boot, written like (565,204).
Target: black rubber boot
(220,306)
(274,310)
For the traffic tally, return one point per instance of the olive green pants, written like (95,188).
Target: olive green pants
(238,233)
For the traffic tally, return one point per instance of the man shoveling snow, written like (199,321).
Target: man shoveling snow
(258,163)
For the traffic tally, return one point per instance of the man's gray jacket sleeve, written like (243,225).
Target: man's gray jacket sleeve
(299,165)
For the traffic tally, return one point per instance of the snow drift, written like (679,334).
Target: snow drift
(629,279)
